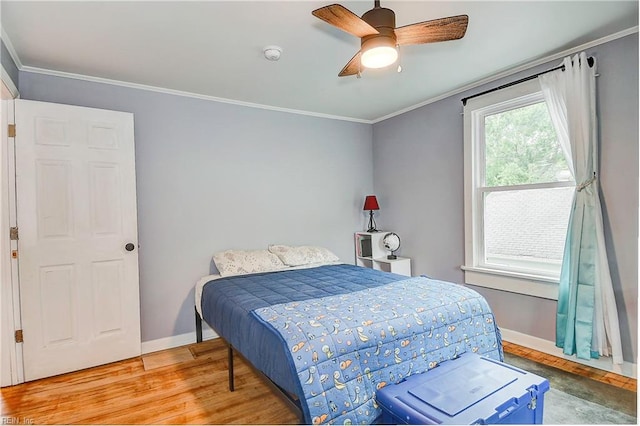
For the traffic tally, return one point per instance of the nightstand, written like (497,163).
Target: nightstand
(370,253)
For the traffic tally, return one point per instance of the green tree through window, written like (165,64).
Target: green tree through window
(521,148)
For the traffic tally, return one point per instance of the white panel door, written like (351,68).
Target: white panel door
(77,247)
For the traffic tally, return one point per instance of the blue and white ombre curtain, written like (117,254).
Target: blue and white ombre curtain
(587,318)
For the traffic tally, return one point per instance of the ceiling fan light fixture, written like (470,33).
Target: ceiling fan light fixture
(378,51)
(379,57)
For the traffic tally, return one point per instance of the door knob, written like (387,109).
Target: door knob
(129,247)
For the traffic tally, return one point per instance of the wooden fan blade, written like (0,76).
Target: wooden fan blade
(352,67)
(344,19)
(451,28)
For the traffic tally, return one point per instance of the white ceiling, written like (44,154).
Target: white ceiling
(214,48)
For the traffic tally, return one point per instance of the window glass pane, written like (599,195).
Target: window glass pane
(526,229)
(521,148)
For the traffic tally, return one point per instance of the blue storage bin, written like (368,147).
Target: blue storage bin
(470,389)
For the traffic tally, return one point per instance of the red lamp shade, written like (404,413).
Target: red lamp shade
(371,203)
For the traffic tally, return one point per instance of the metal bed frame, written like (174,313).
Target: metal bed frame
(291,400)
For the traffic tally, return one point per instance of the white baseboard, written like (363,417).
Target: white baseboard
(179,340)
(627,369)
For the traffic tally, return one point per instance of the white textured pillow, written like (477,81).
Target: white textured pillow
(303,255)
(237,262)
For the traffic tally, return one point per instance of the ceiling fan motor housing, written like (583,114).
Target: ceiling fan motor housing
(383,20)
(380,17)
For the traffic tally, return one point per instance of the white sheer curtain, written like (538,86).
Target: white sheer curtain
(587,319)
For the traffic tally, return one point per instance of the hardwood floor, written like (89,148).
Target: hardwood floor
(186,385)
(188,392)
(573,367)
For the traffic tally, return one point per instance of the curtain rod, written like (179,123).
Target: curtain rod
(522,80)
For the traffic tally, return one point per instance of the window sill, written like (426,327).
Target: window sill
(514,282)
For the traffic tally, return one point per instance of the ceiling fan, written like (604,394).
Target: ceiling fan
(379,38)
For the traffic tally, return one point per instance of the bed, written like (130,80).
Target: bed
(329,334)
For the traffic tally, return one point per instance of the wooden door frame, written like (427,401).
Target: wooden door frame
(11,368)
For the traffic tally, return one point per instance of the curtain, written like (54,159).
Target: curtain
(587,318)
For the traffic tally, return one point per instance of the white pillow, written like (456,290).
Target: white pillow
(303,255)
(237,262)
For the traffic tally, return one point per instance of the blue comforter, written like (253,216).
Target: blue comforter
(378,331)
(345,347)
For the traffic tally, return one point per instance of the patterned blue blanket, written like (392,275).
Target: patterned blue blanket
(345,347)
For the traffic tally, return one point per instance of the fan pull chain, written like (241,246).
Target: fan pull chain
(399,58)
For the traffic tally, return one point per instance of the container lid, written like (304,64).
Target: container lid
(466,385)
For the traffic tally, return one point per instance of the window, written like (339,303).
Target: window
(518,192)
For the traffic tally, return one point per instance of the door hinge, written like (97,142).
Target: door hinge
(11,131)
(19,336)
(13,233)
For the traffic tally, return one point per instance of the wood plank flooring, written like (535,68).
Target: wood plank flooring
(572,367)
(191,391)
(178,388)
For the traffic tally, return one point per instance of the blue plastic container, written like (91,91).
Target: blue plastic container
(470,389)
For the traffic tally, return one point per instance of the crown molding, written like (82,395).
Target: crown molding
(22,67)
(10,48)
(512,71)
(186,94)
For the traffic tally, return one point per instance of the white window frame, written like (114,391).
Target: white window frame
(477,272)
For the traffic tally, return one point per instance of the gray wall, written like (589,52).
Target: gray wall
(8,64)
(418,176)
(214,176)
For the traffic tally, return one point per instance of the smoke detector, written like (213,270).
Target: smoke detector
(272,53)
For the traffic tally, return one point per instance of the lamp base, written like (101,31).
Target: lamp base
(372,223)
(392,257)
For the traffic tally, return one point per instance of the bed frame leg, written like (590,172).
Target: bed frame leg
(231,387)
(230,348)
(198,326)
